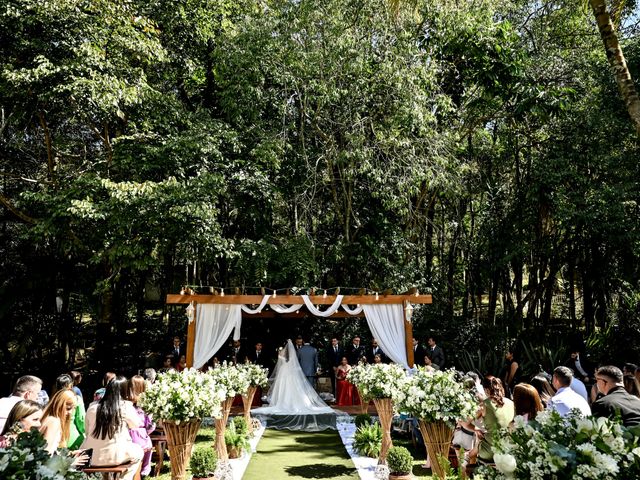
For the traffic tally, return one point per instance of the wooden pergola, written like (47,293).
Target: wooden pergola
(406,299)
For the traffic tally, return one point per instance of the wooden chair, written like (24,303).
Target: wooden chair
(159,441)
(114,472)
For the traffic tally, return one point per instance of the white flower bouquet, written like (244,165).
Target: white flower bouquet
(256,375)
(570,448)
(232,378)
(436,396)
(376,381)
(183,396)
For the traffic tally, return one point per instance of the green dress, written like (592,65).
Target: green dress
(495,418)
(76,432)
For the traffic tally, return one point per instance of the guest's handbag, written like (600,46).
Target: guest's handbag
(463,438)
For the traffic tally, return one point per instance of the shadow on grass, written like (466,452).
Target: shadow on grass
(320,470)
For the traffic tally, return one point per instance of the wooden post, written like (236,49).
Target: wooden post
(191,336)
(408,335)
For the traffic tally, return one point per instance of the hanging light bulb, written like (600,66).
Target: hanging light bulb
(190,311)
(408,310)
(417,292)
(182,291)
(222,292)
(324,295)
(377,296)
(274,294)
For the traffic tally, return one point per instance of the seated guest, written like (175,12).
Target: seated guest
(76,433)
(107,426)
(150,375)
(631,385)
(182,363)
(57,418)
(565,400)
(105,380)
(140,434)
(24,416)
(616,400)
(544,388)
(27,388)
(167,364)
(526,401)
(497,411)
(77,378)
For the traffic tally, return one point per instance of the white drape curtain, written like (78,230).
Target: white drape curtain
(386,323)
(282,309)
(213,326)
(252,311)
(319,313)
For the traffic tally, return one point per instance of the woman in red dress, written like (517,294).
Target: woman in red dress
(344,390)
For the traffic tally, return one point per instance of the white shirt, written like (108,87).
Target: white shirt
(578,387)
(566,400)
(6,404)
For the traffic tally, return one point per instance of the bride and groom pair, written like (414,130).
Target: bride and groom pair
(291,392)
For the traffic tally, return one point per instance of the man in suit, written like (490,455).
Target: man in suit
(375,350)
(236,353)
(334,355)
(355,351)
(418,353)
(581,367)
(435,353)
(259,357)
(298,343)
(308,358)
(177,349)
(616,399)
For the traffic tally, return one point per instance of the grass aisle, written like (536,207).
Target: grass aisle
(283,454)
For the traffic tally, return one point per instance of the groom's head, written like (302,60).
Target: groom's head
(299,341)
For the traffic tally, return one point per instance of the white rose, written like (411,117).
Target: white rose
(506,463)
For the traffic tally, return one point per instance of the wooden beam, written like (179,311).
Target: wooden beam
(297,299)
(408,336)
(191,336)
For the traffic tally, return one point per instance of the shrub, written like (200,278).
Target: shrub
(363,419)
(399,460)
(234,439)
(203,462)
(241,426)
(368,440)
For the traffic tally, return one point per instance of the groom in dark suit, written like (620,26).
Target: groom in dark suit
(308,358)
(334,356)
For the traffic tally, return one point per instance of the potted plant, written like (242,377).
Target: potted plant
(203,463)
(400,463)
(368,440)
(235,441)
(363,419)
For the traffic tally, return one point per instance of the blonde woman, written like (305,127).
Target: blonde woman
(56,419)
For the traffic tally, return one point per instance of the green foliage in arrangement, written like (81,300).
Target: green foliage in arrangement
(240,425)
(399,460)
(203,461)
(363,419)
(235,439)
(368,440)
(27,458)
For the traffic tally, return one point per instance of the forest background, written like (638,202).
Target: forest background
(478,150)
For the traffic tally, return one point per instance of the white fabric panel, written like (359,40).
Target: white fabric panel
(213,325)
(386,323)
(283,309)
(318,313)
(246,309)
(355,311)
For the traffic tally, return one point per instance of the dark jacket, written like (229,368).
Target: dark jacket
(354,354)
(618,400)
(333,358)
(436,355)
(371,354)
(262,359)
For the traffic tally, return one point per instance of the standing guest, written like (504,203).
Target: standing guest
(565,400)
(259,356)
(354,352)
(57,419)
(150,375)
(616,400)
(76,432)
(544,388)
(497,412)
(140,434)
(334,356)
(511,371)
(25,415)
(435,353)
(27,388)
(98,394)
(77,378)
(308,358)
(177,348)
(581,367)
(236,353)
(373,351)
(419,354)
(344,389)
(632,385)
(107,425)
(526,401)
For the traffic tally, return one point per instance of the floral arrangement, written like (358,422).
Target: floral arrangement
(26,458)
(256,375)
(436,396)
(378,380)
(569,448)
(183,396)
(232,378)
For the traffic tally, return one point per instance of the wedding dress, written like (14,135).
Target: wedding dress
(293,402)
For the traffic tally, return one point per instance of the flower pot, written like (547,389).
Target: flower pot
(400,476)
(234,452)
(180,440)
(437,440)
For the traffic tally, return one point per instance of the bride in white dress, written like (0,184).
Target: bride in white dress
(292,396)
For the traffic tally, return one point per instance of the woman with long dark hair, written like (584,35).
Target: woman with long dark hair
(107,427)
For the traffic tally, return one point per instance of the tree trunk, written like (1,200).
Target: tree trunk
(617,60)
